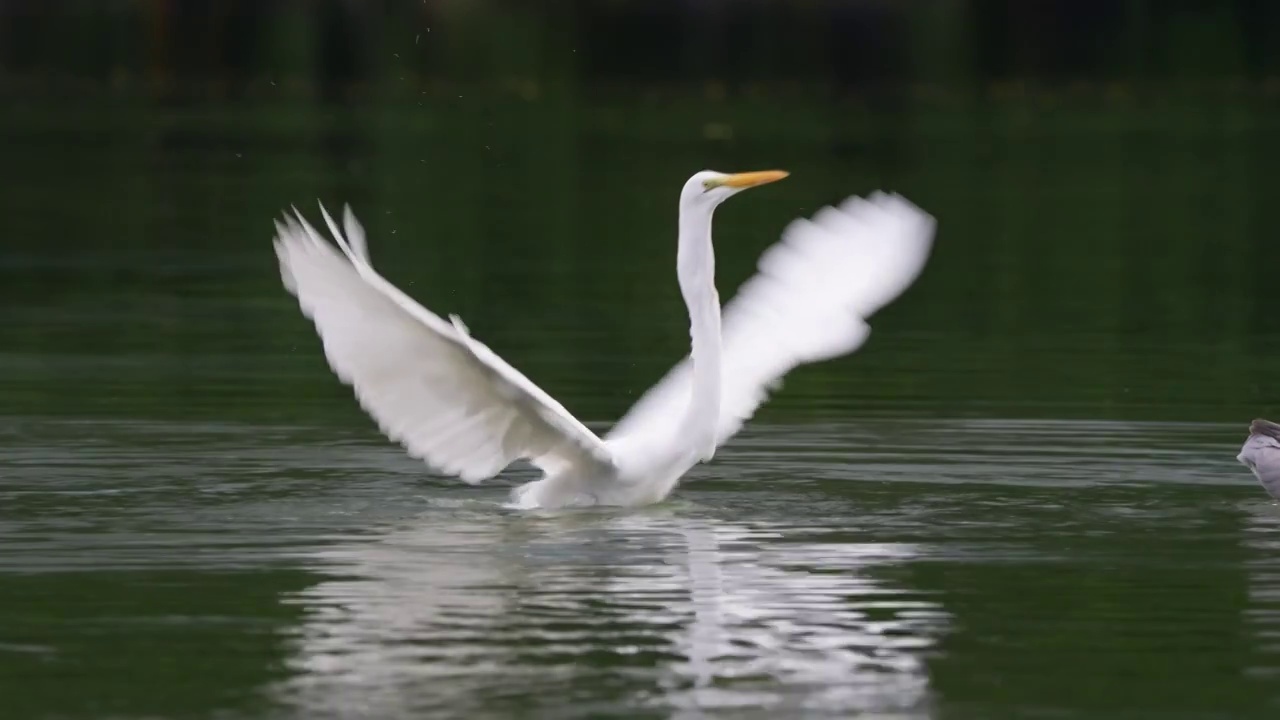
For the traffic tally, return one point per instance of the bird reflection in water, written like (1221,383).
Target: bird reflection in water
(598,613)
(1260,536)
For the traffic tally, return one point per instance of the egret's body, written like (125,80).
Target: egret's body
(452,402)
(1261,454)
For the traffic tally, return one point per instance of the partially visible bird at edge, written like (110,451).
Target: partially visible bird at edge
(1261,454)
(451,402)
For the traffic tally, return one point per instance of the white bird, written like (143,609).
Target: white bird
(457,406)
(1261,454)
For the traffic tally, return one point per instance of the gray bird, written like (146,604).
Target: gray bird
(1261,454)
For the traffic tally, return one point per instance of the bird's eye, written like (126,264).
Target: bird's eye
(707,185)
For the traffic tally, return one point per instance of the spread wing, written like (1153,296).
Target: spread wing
(809,302)
(447,398)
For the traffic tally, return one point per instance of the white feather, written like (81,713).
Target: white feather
(452,402)
(809,302)
(447,398)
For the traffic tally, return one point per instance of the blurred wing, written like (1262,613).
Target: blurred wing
(448,399)
(808,302)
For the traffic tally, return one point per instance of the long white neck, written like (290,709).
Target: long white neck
(696,268)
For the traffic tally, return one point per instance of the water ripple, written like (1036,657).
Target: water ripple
(788,578)
(711,615)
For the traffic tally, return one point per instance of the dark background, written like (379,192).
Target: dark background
(1102,173)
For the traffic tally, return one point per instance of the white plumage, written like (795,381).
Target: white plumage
(808,302)
(448,399)
(453,403)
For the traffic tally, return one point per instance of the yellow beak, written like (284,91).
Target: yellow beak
(752,179)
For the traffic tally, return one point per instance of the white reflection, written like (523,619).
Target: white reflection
(466,614)
(1262,614)
(795,628)
(411,611)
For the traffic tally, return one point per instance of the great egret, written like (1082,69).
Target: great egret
(1261,454)
(453,403)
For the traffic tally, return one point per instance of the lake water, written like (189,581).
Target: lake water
(1020,500)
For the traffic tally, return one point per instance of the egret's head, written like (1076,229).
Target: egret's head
(710,188)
